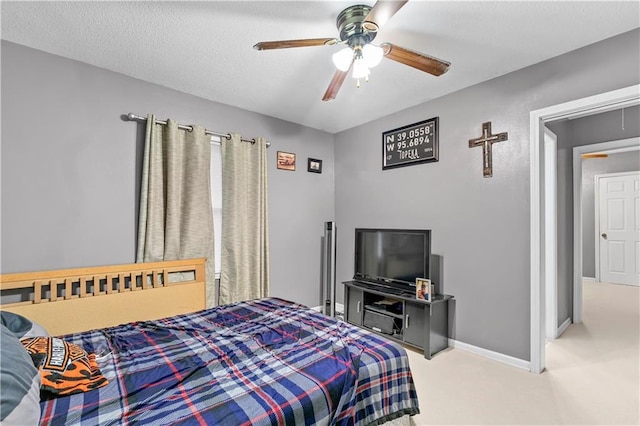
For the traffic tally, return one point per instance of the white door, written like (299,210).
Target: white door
(619,227)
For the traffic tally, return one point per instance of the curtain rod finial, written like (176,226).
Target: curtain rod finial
(131,116)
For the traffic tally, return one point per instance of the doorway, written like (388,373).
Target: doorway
(578,151)
(540,243)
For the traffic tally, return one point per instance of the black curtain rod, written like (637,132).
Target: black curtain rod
(133,117)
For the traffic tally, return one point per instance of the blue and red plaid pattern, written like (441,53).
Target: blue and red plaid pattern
(261,362)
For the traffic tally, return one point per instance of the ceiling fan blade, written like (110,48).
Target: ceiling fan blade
(415,59)
(285,44)
(381,12)
(336,84)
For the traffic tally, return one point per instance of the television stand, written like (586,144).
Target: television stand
(398,315)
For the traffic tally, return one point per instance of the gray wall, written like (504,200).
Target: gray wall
(70,169)
(69,173)
(480,226)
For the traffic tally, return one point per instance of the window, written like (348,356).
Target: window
(216,199)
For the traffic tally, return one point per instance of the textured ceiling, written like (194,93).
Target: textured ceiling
(205,48)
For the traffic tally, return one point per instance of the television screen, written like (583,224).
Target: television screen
(392,256)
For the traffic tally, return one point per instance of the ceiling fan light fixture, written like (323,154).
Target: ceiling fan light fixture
(360,69)
(372,55)
(343,58)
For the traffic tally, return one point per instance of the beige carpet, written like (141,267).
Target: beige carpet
(592,375)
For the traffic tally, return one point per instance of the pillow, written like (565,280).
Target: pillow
(65,368)
(20,326)
(19,381)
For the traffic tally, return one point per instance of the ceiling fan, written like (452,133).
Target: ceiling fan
(358,26)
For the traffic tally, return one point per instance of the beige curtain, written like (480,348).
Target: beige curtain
(245,234)
(176,219)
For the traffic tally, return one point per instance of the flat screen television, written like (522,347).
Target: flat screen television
(393,257)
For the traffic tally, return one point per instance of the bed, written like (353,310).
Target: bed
(264,362)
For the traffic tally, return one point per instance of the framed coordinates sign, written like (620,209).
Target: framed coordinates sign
(412,144)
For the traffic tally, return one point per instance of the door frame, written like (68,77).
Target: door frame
(616,99)
(620,145)
(551,232)
(596,193)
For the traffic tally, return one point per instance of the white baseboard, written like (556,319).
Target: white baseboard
(496,356)
(563,327)
(588,279)
(339,308)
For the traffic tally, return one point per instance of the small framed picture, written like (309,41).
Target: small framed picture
(423,289)
(314,165)
(286,161)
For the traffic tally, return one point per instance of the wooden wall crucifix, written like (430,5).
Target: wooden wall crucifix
(485,141)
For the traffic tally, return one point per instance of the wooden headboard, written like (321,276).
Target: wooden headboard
(72,300)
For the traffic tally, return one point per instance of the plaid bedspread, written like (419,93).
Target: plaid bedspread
(263,362)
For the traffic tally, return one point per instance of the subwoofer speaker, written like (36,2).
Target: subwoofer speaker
(329,269)
(378,321)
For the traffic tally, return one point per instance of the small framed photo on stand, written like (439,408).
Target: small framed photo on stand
(423,289)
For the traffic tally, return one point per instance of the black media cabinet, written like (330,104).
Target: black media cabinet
(398,315)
